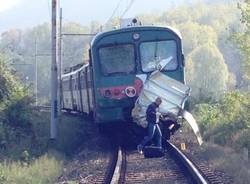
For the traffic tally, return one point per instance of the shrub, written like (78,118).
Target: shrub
(44,170)
(227,121)
(241,139)
(18,112)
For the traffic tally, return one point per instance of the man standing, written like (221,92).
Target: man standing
(153,127)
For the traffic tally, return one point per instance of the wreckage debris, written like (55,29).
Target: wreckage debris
(173,94)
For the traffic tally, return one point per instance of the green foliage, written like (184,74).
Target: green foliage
(199,24)
(195,35)
(25,159)
(207,73)
(241,139)
(10,85)
(19,46)
(28,141)
(243,38)
(207,114)
(228,121)
(15,109)
(44,170)
(18,112)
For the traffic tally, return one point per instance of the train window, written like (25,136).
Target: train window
(117,59)
(82,81)
(65,85)
(153,53)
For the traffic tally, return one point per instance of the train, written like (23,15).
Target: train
(107,87)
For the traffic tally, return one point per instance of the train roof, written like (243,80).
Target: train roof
(76,70)
(136,28)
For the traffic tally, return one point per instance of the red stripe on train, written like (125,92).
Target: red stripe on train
(120,92)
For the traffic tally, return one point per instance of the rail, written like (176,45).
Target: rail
(190,169)
(118,167)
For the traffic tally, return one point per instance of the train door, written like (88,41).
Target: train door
(82,91)
(67,104)
(89,89)
(73,93)
(79,93)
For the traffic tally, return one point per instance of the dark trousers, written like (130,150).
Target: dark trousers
(153,131)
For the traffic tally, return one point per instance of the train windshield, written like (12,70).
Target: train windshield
(157,52)
(117,59)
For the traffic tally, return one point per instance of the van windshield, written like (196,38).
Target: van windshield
(117,59)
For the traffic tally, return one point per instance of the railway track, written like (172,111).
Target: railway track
(127,167)
(97,170)
(174,167)
(104,176)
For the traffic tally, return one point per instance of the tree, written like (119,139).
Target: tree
(10,85)
(195,34)
(207,73)
(75,48)
(243,38)
(10,40)
(227,120)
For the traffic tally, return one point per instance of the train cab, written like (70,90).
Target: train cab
(122,59)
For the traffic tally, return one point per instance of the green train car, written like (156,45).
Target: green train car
(120,60)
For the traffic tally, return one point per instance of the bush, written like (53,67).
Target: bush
(241,139)
(226,122)
(44,170)
(15,108)
(18,112)
(14,99)
(11,86)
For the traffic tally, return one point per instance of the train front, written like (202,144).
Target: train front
(122,59)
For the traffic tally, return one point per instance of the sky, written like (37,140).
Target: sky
(28,13)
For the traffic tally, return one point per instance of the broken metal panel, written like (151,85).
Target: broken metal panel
(173,94)
(192,122)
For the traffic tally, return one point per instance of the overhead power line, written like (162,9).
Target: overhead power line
(127,8)
(114,11)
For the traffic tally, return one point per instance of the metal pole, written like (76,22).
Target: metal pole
(36,85)
(60,62)
(54,80)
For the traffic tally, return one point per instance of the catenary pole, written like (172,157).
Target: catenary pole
(36,82)
(54,79)
(60,61)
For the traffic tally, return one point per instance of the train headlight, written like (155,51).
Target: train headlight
(107,93)
(130,91)
(136,36)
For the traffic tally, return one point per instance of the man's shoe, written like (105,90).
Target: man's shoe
(139,149)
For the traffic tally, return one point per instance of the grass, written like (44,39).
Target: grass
(44,170)
(36,141)
(234,164)
(227,160)
(27,158)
